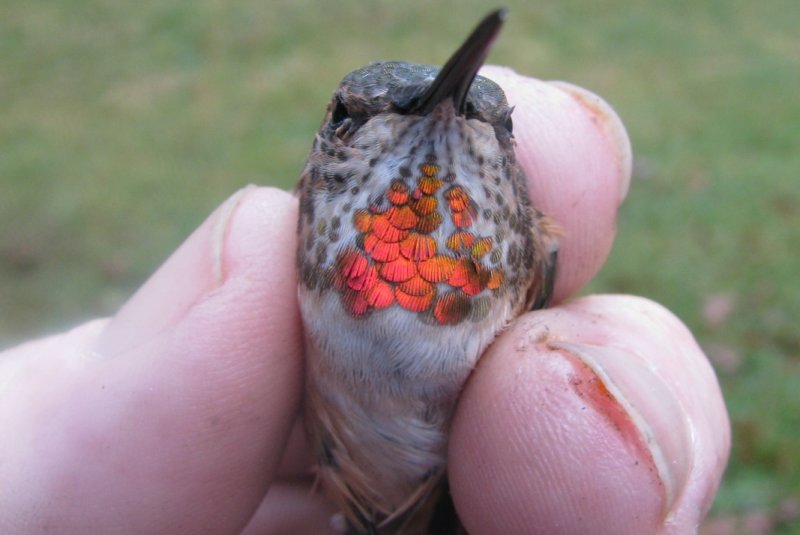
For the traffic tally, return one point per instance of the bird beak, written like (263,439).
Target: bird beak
(457,75)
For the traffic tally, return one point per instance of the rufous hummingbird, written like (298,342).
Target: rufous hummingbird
(418,243)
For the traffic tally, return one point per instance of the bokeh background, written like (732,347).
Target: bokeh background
(123,124)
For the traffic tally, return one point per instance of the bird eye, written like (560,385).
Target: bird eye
(509,124)
(340,113)
(469,110)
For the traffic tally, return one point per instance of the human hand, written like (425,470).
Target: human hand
(599,415)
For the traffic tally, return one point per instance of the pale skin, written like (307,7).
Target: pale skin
(180,413)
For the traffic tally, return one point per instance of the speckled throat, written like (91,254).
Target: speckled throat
(427,213)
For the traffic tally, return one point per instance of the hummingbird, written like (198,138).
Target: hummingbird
(418,243)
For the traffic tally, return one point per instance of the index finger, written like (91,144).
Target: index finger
(577,157)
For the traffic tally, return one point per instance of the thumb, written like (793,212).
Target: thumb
(173,415)
(598,416)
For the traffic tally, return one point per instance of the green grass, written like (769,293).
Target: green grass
(123,124)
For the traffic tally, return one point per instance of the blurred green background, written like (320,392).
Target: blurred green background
(123,124)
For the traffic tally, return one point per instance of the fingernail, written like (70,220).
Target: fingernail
(607,118)
(196,268)
(219,232)
(642,407)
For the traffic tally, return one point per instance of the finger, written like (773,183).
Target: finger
(577,157)
(292,507)
(298,459)
(174,416)
(601,416)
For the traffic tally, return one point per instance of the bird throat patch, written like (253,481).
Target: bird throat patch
(397,262)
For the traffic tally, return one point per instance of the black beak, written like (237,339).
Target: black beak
(455,78)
